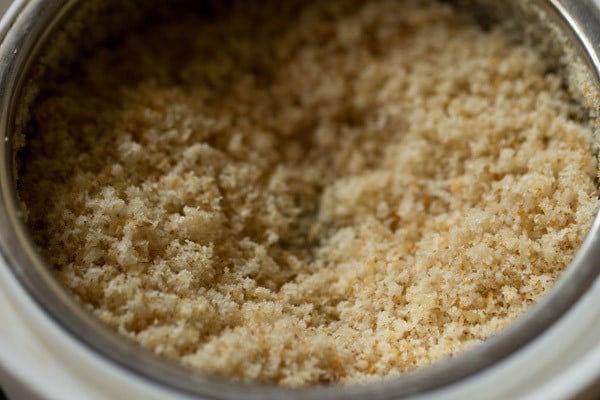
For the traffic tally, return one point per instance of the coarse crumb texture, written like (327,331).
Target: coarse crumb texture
(309,192)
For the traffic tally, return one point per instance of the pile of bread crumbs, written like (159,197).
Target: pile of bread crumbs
(309,192)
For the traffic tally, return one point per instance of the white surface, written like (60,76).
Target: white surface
(50,363)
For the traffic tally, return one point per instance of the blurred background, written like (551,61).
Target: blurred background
(4,5)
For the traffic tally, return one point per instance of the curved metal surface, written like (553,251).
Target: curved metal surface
(25,32)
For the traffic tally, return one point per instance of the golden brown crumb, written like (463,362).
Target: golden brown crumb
(344,192)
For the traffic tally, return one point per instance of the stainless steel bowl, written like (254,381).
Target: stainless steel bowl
(27,33)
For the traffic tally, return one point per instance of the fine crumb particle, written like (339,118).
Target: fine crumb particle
(341,193)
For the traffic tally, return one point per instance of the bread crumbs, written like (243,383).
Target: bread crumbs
(309,192)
